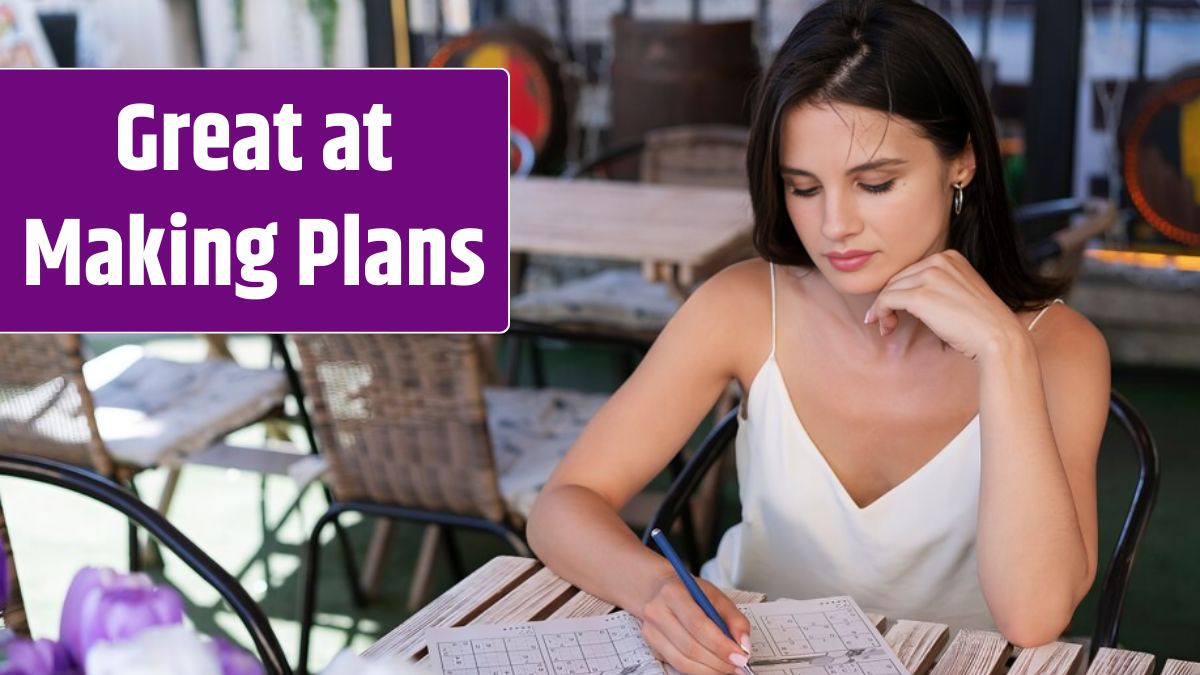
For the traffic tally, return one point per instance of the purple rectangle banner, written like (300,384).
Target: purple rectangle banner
(371,200)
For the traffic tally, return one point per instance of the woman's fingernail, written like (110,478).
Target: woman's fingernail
(867,317)
(745,642)
(738,660)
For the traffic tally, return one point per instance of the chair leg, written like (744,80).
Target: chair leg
(356,594)
(135,547)
(512,360)
(423,571)
(312,559)
(150,556)
(537,360)
(381,539)
(453,555)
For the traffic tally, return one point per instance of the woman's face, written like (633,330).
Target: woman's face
(868,196)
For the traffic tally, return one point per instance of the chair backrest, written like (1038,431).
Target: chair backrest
(401,420)
(1115,582)
(1060,255)
(107,492)
(705,155)
(1116,578)
(45,407)
(708,155)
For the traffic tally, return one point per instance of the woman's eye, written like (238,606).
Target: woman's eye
(804,193)
(879,187)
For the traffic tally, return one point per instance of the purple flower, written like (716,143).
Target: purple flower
(106,606)
(235,660)
(35,657)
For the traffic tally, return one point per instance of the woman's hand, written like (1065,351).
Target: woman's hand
(682,634)
(945,293)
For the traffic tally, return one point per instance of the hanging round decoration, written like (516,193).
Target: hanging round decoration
(537,100)
(1162,158)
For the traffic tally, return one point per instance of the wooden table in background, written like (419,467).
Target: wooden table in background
(512,590)
(680,235)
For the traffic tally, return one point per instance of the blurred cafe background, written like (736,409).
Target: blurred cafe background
(1098,108)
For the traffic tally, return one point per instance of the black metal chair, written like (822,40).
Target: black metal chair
(1113,586)
(121,499)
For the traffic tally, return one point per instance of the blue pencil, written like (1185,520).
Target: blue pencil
(689,581)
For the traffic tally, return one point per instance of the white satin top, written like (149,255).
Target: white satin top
(909,554)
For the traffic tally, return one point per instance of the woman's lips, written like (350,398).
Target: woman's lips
(851,262)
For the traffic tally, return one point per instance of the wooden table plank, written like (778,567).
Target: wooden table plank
(916,643)
(1121,662)
(973,652)
(635,222)
(456,606)
(582,604)
(740,597)
(1177,667)
(534,599)
(1056,658)
(877,620)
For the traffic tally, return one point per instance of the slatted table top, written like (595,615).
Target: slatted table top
(688,227)
(512,590)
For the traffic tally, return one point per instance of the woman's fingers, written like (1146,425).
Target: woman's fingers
(738,624)
(883,311)
(698,638)
(673,655)
(891,301)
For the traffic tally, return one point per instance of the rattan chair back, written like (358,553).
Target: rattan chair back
(711,155)
(401,420)
(46,409)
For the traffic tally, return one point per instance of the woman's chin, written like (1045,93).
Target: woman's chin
(860,282)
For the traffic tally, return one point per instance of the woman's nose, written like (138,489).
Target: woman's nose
(840,217)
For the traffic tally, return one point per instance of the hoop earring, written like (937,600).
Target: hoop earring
(958,198)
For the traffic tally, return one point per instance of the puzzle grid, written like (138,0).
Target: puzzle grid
(614,649)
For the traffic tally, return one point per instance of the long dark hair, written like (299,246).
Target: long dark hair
(900,58)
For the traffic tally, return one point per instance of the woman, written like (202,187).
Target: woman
(920,418)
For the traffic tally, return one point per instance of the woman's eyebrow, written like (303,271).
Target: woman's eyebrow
(866,166)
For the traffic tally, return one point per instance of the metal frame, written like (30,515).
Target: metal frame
(1113,587)
(108,492)
(312,556)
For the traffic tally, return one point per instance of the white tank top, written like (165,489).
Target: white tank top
(909,554)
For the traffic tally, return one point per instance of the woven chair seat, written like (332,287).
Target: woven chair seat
(615,298)
(148,410)
(531,431)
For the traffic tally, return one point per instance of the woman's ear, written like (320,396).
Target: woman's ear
(962,169)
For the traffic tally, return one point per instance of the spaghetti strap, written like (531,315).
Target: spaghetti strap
(772,310)
(1056,301)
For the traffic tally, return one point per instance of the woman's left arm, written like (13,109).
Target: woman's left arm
(1043,403)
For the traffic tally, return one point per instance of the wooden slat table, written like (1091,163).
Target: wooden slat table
(680,235)
(511,590)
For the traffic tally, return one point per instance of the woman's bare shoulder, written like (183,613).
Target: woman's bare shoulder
(1065,337)
(1074,361)
(736,304)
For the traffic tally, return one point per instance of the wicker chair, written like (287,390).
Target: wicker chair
(411,430)
(125,412)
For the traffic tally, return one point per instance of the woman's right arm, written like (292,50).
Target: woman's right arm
(575,527)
